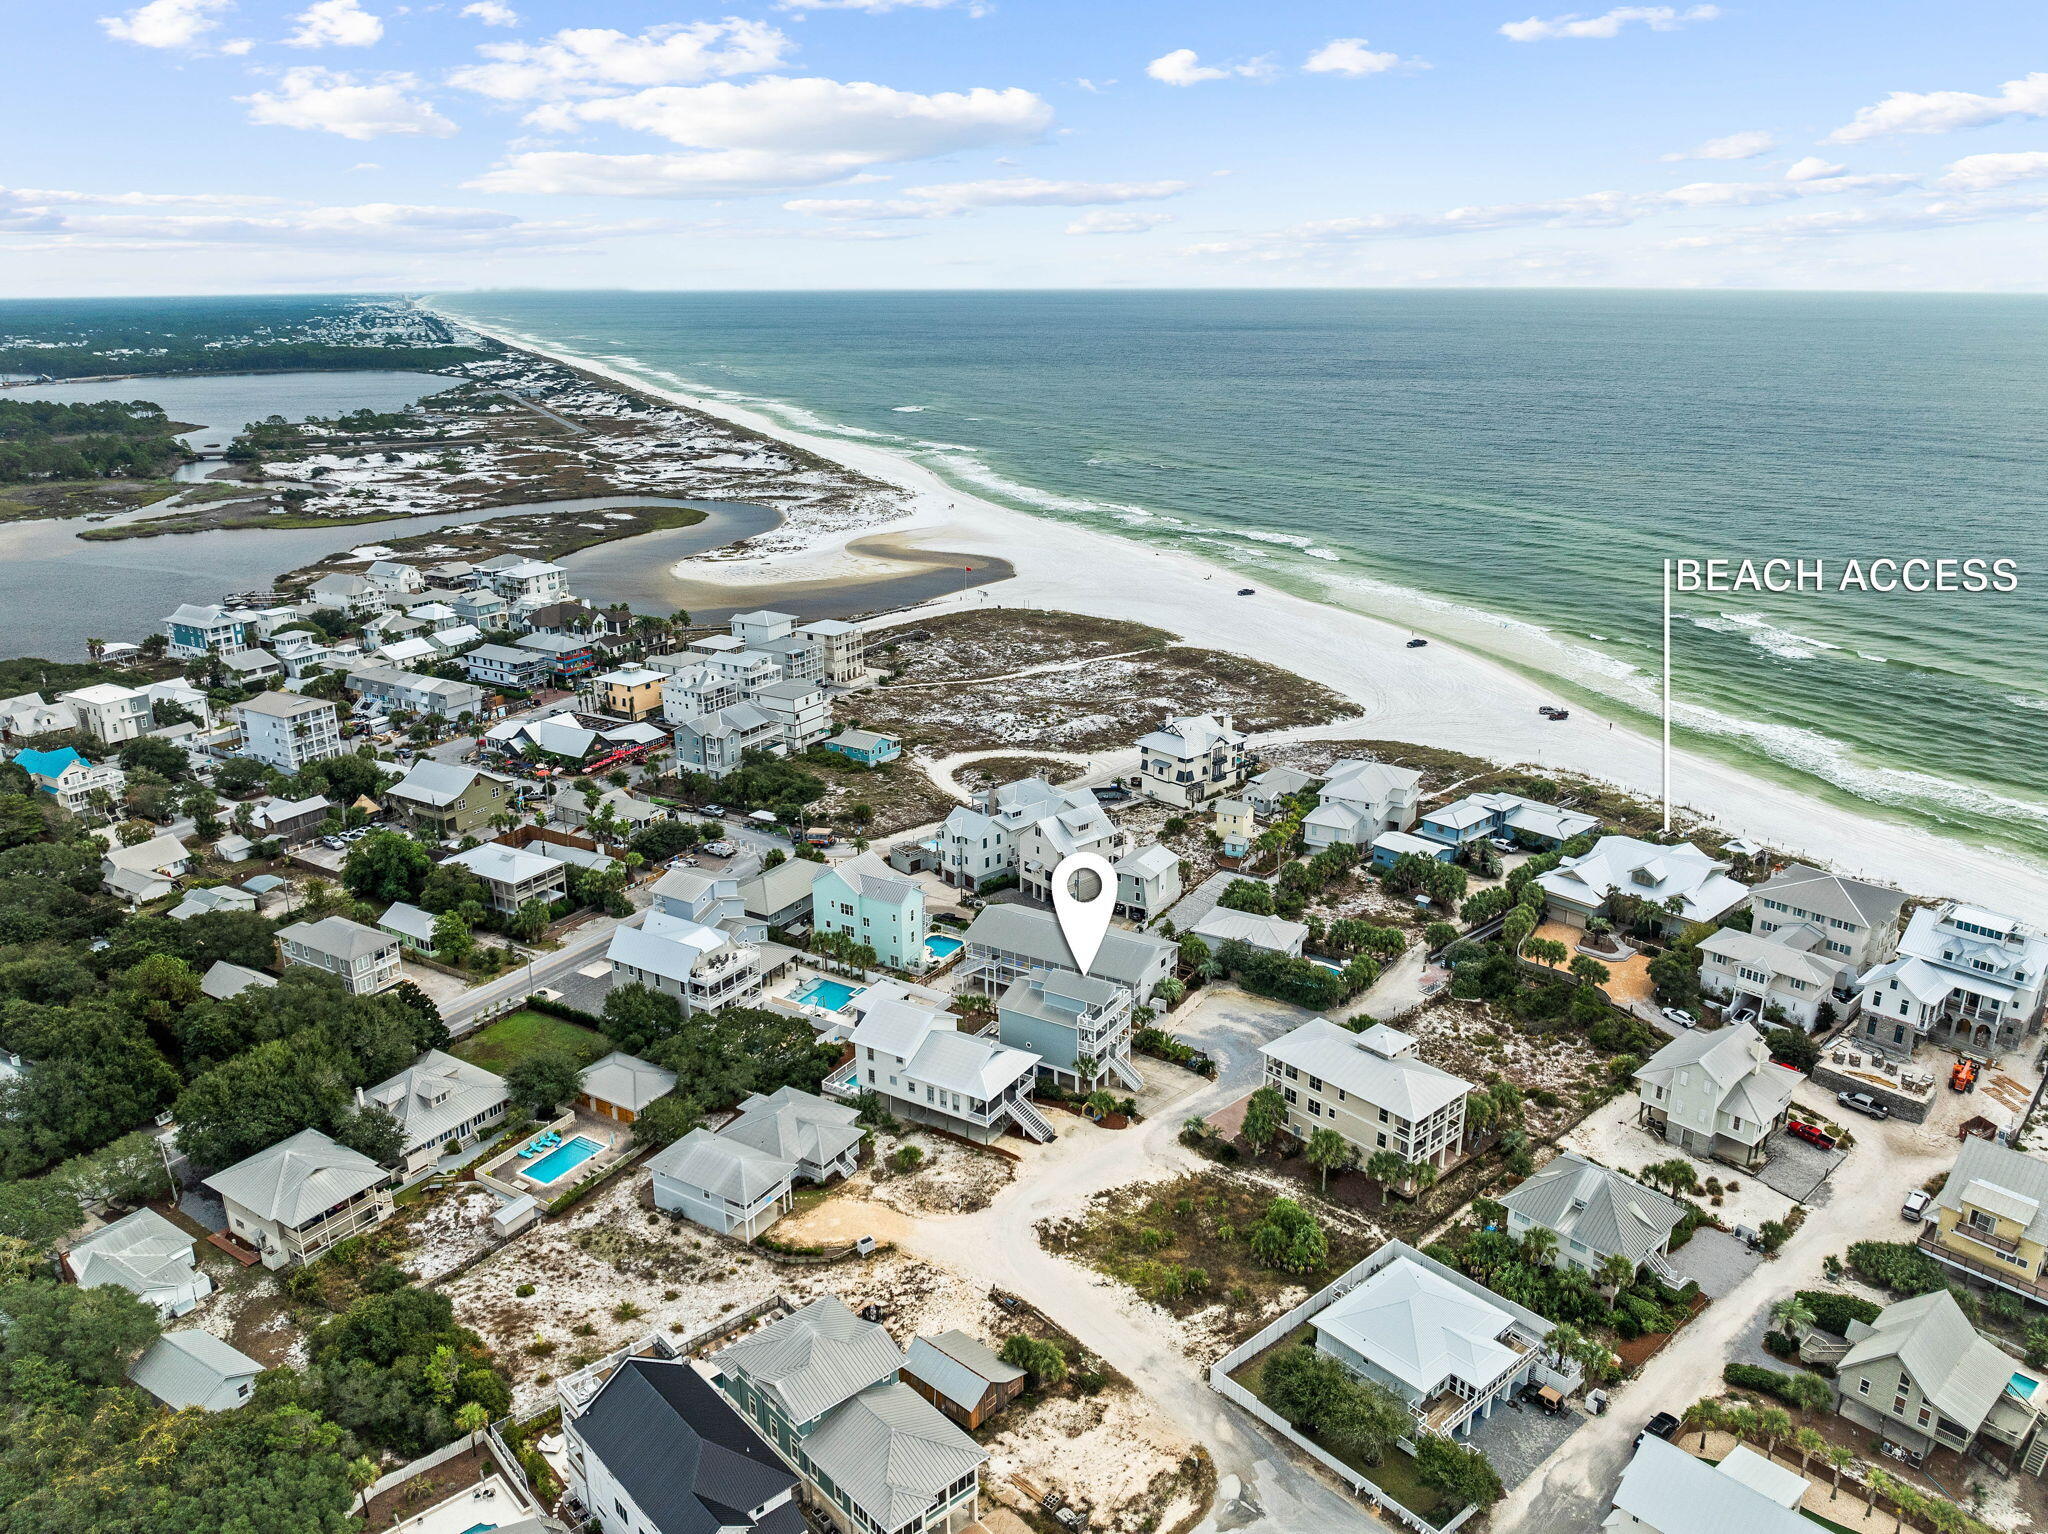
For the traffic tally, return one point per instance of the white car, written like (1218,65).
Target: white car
(1679,1017)
(1915,1207)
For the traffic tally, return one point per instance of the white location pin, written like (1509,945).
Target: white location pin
(1083,922)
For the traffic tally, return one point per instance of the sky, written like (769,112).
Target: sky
(233,146)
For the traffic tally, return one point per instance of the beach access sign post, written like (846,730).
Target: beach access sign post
(1792,576)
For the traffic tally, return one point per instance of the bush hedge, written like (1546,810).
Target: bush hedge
(1833,1312)
(1897,1266)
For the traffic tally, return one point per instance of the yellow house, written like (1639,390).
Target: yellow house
(1990,1220)
(1233,822)
(631,692)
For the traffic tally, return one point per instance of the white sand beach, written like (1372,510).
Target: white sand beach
(1437,696)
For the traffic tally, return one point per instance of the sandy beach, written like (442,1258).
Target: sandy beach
(1438,696)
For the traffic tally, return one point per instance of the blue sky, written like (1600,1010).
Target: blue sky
(324,145)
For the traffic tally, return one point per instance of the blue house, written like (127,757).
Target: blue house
(866,747)
(1393,845)
(1477,816)
(46,767)
(864,899)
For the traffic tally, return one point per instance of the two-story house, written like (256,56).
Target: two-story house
(702,967)
(362,958)
(822,1386)
(517,578)
(1670,887)
(916,1060)
(1990,1220)
(1529,822)
(513,876)
(440,1104)
(1147,882)
(1192,759)
(1358,802)
(1596,1213)
(69,779)
(1964,977)
(1081,825)
(1371,1088)
(716,744)
(1077,1025)
(452,801)
(724,1185)
(1858,922)
(1448,1348)
(1921,1378)
(288,729)
(1716,1093)
(658,1450)
(866,900)
(504,665)
(630,692)
(394,687)
(293,1201)
(214,630)
(1008,942)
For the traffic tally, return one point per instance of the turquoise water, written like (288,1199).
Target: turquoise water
(942,948)
(563,1159)
(832,995)
(2023,1386)
(1504,469)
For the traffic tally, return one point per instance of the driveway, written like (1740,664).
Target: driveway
(1800,1170)
(1520,1438)
(1573,1488)
(1716,1261)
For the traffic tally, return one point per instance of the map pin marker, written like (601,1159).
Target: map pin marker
(1084,921)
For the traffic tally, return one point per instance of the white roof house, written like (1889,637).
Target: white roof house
(1273,933)
(1717,1090)
(701,967)
(1359,800)
(727,1185)
(296,1179)
(1972,974)
(439,1100)
(1375,1066)
(1580,887)
(1665,1490)
(625,1082)
(917,1059)
(225,980)
(195,1369)
(145,1254)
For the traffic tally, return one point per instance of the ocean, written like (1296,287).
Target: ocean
(1505,470)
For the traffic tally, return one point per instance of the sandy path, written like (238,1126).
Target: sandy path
(1438,696)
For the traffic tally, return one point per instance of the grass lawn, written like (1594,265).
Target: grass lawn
(521,1035)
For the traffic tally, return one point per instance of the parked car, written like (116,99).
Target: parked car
(1813,1134)
(1679,1017)
(1863,1102)
(1663,1425)
(714,809)
(1559,715)
(1503,843)
(1417,644)
(1247,591)
(1915,1207)
(1546,709)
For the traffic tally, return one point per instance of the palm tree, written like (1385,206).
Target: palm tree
(1808,1443)
(1839,1459)
(1702,1417)
(471,1418)
(1420,1175)
(1876,1484)
(1615,1273)
(1563,1341)
(1539,1244)
(1773,1427)
(1740,1421)
(1793,1316)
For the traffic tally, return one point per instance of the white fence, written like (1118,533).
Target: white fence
(507,1466)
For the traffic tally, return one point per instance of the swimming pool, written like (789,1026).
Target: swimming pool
(562,1160)
(941,948)
(2023,1386)
(832,995)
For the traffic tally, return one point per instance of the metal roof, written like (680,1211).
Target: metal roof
(338,937)
(796,1126)
(626,1081)
(1401,1084)
(957,1367)
(296,1179)
(1125,957)
(1668,1490)
(1961,1374)
(891,1452)
(436,1093)
(141,1252)
(731,1170)
(1985,1162)
(1599,1208)
(224,980)
(1408,1321)
(188,1368)
(814,1359)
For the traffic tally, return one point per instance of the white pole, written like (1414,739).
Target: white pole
(1667,697)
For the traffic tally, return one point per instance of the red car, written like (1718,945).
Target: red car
(1811,1133)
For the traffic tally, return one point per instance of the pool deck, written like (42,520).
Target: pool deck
(507,1172)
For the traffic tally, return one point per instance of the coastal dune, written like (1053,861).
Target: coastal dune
(1436,696)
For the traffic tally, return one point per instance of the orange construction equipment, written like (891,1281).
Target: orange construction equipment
(1963,1077)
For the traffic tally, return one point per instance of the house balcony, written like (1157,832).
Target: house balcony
(1992,1272)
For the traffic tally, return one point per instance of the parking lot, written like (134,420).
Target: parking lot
(1799,1169)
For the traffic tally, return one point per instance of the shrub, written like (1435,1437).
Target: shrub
(1833,1312)
(1896,1266)
(907,1158)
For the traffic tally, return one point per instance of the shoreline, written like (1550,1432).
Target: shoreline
(1440,696)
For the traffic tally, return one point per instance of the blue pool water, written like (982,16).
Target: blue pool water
(563,1159)
(2023,1386)
(832,995)
(942,948)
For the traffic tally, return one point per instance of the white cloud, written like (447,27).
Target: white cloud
(1734,146)
(949,199)
(1109,221)
(335,24)
(44,196)
(586,60)
(725,173)
(1658,18)
(376,225)
(1183,67)
(1351,56)
(332,102)
(492,13)
(166,23)
(1945,111)
(1813,168)
(1981,172)
(876,7)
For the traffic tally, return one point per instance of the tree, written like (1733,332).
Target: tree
(452,941)
(1539,1245)
(37,1212)
(371,1131)
(1263,1116)
(1589,970)
(1839,1458)
(1457,1470)
(1809,1443)
(1250,895)
(637,1018)
(1702,1417)
(1328,1151)
(1615,1273)
(1288,1237)
(1041,1358)
(1793,1315)
(146,753)
(62,1341)
(542,1082)
(386,866)
(1543,951)
(666,1120)
(529,921)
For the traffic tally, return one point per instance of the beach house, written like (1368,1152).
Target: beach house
(1008,942)
(1921,1378)
(821,1139)
(1528,822)
(504,665)
(362,958)
(799,710)
(288,729)
(702,968)
(868,747)
(923,1068)
(1716,1093)
(449,801)
(716,744)
(657,1450)
(191,1369)
(1359,800)
(394,687)
(146,871)
(513,876)
(979,843)
(1665,1490)
(1192,759)
(1269,934)
(724,1185)
(1147,882)
(1077,1025)
(111,714)
(1231,821)
(1371,1088)
(1080,824)
(145,1254)
(824,1388)
(1788,975)
(440,1104)
(569,657)
(193,631)
(1965,977)
(1451,1350)
(630,692)
(1857,922)
(293,1201)
(845,648)
(865,900)
(69,779)
(1596,1213)
(1630,880)
(1989,1222)
(1269,791)
(518,578)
